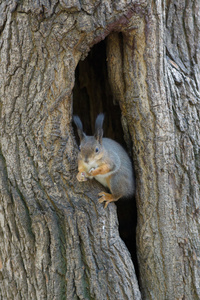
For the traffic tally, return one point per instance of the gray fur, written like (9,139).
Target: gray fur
(122,180)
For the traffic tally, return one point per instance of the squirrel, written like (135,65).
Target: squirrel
(106,161)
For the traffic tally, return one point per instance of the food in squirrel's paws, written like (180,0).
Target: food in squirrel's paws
(81,176)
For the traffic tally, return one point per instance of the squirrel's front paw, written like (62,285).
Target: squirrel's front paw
(91,172)
(81,176)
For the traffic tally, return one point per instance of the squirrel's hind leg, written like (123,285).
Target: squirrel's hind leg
(106,197)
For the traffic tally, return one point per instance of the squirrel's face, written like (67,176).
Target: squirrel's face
(90,151)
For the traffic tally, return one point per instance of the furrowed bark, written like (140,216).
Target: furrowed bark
(160,93)
(57,241)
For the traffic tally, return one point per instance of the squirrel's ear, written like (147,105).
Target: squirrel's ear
(79,126)
(99,128)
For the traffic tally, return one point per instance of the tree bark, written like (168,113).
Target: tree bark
(165,110)
(56,240)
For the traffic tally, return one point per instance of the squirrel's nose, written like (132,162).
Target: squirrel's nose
(86,160)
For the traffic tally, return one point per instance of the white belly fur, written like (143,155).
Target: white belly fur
(102,179)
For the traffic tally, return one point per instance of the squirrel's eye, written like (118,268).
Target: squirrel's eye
(79,148)
(97,149)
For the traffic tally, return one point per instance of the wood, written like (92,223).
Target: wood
(56,240)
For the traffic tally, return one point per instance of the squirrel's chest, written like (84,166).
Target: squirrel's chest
(103,180)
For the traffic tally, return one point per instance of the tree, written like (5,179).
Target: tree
(57,241)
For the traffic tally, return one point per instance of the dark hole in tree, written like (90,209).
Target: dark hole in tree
(92,95)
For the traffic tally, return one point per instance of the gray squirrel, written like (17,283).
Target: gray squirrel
(106,161)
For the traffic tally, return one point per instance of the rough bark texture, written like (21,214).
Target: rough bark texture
(161,86)
(166,136)
(56,240)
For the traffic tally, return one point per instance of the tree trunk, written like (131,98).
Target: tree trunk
(56,240)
